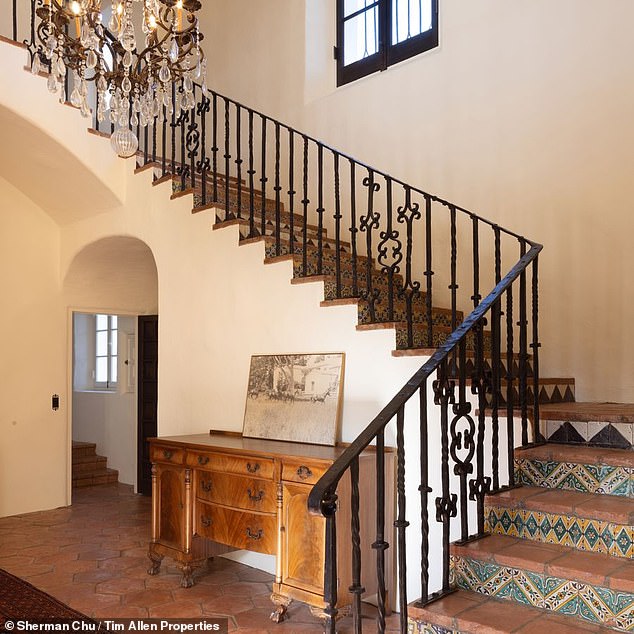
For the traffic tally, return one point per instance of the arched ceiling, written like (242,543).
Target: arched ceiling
(47,173)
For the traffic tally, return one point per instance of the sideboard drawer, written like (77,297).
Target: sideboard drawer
(240,529)
(233,490)
(305,472)
(227,463)
(166,453)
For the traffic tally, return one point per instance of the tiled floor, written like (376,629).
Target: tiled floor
(93,557)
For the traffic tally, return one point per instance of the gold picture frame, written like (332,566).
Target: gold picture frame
(295,397)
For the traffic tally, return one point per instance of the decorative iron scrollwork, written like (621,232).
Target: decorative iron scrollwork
(462,440)
(479,487)
(446,508)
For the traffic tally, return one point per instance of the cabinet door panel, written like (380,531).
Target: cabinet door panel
(172,503)
(303,541)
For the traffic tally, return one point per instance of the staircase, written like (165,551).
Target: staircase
(554,552)
(89,469)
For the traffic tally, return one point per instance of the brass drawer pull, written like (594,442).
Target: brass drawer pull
(203,460)
(253,468)
(205,485)
(304,472)
(255,536)
(205,520)
(255,497)
(167,454)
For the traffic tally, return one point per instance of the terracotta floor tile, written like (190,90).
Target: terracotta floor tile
(120,585)
(493,617)
(623,578)
(176,609)
(88,605)
(229,605)
(556,501)
(444,610)
(245,588)
(98,554)
(512,497)
(95,576)
(148,598)
(557,625)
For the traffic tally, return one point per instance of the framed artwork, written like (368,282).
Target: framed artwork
(294,397)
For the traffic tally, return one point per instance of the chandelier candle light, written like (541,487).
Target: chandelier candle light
(134,83)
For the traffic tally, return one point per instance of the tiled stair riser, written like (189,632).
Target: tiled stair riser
(594,604)
(567,530)
(593,433)
(416,627)
(563,392)
(587,478)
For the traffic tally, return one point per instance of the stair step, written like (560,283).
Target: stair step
(93,478)
(440,334)
(591,586)
(608,425)
(587,521)
(582,468)
(83,464)
(471,613)
(83,448)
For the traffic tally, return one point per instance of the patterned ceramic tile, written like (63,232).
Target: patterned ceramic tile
(416,627)
(566,530)
(563,596)
(596,433)
(574,477)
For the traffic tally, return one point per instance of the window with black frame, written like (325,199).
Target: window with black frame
(374,34)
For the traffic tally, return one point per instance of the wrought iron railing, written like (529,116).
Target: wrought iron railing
(412,262)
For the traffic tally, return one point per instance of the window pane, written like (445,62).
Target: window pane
(113,322)
(102,343)
(410,18)
(101,373)
(113,369)
(113,342)
(102,322)
(352,6)
(361,36)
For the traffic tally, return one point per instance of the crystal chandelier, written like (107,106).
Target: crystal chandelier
(135,83)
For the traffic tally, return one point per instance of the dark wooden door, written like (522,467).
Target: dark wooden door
(148,398)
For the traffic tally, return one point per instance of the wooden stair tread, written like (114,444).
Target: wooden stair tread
(474,613)
(578,454)
(594,506)
(582,412)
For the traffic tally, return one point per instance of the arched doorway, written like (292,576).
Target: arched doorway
(111,289)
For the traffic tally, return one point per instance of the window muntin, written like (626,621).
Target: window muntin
(106,353)
(374,34)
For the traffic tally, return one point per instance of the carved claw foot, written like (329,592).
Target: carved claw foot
(187,580)
(281,606)
(156,563)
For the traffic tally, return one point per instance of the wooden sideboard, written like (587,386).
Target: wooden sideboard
(212,493)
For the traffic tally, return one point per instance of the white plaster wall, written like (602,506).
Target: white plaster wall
(33,437)
(521,114)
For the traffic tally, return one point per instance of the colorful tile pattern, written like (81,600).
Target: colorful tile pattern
(593,433)
(417,627)
(591,603)
(587,478)
(567,530)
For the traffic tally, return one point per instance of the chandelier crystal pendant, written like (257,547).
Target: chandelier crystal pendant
(136,84)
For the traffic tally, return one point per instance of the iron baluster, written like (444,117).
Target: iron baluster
(203,164)
(428,272)
(239,160)
(389,251)
(380,545)
(401,523)
(496,316)
(355,528)
(337,218)
(522,323)
(368,223)
(320,207)
(291,192)
(476,297)
(15,20)
(154,122)
(193,145)
(353,228)
(535,345)
(424,490)
(510,378)
(173,125)
(214,147)
(305,203)
(407,214)
(164,143)
(263,179)
(462,440)
(277,189)
(146,142)
(329,510)
(446,507)
(227,156)
(251,173)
